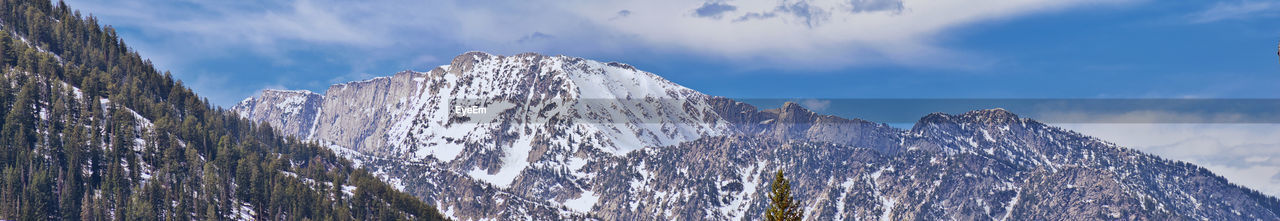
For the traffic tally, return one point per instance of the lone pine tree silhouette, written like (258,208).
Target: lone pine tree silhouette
(782,207)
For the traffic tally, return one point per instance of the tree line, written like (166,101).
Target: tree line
(92,131)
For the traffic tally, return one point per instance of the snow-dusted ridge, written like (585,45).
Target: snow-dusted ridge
(563,138)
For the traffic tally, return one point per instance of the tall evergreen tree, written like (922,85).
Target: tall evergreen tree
(781,206)
(19,126)
(8,55)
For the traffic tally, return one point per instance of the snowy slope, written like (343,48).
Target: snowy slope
(539,111)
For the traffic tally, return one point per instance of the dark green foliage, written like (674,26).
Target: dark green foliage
(781,206)
(94,155)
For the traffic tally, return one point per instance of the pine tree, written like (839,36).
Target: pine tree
(140,206)
(71,194)
(19,123)
(8,54)
(781,206)
(37,202)
(87,206)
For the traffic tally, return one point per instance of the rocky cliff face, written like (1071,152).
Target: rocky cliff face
(292,112)
(568,138)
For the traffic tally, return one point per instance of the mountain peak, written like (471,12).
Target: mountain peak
(935,117)
(791,111)
(475,56)
(994,115)
(985,116)
(790,105)
(465,60)
(474,53)
(409,108)
(282,91)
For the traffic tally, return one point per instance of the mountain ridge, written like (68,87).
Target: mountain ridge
(556,164)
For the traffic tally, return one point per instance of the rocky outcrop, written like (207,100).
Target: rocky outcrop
(793,122)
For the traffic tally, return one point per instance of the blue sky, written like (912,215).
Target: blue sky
(854,49)
(230,50)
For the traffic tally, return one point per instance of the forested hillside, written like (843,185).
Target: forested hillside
(91,130)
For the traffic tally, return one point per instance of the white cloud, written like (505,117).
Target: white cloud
(794,34)
(812,33)
(1236,10)
(815,104)
(266,27)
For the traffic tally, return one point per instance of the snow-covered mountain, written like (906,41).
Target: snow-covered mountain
(412,115)
(556,137)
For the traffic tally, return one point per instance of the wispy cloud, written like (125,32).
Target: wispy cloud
(833,33)
(220,24)
(875,5)
(816,104)
(818,33)
(352,38)
(1237,10)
